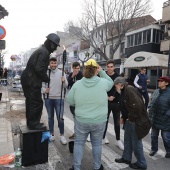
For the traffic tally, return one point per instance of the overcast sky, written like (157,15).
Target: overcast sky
(30,21)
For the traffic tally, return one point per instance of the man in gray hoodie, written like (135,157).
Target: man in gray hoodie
(53,99)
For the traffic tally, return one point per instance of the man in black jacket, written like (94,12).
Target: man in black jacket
(32,78)
(113,106)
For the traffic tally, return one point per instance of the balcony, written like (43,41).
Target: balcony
(166,12)
(164,45)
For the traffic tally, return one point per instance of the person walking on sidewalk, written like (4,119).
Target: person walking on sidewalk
(89,96)
(72,78)
(52,98)
(141,81)
(31,80)
(159,113)
(113,106)
(137,125)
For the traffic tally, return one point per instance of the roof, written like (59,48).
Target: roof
(146,59)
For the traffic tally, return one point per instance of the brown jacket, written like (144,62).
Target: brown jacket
(136,111)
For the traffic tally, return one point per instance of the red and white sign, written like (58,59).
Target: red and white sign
(2,32)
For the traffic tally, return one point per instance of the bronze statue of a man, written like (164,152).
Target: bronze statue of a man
(32,77)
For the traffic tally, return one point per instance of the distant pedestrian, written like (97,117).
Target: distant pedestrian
(52,98)
(159,112)
(141,81)
(5,75)
(72,78)
(32,77)
(137,124)
(89,96)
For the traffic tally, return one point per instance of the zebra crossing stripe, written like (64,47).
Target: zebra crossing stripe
(108,155)
(146,145)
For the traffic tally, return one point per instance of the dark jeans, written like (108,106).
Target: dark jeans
(133,144)
(34,105)
(144,93)
(154,139)
(114,107)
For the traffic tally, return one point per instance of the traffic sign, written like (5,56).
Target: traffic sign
(2,32)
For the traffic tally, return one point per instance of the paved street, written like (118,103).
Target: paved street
(61,159)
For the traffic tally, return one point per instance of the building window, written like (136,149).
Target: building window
(157,36)
(148,35)
(75,53)
(140,38)
(144,37)
(131,40)
(154,35)
(128,41)
(136,39)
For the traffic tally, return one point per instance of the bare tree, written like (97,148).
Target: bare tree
(105,22)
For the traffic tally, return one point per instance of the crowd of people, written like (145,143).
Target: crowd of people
(92,95)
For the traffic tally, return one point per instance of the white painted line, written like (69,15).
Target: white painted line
(146,145)
(108,155)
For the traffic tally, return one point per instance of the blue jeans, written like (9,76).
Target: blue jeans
(132,143)
(154,139)
(51,105)
(81,131)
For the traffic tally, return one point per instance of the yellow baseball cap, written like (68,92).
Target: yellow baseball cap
(91,62)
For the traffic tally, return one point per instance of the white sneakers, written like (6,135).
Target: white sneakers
(105,141)
(120,144)
(88,138)
(52,138)
(63,140)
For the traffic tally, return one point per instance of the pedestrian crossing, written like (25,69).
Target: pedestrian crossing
(108,154)
(146,145)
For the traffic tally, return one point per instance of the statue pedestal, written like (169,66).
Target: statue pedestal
(33,151)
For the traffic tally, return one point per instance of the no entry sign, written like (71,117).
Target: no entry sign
(2,32)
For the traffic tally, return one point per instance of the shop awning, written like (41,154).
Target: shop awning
(146,59)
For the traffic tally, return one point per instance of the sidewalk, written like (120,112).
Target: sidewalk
(6,141)
(13,106)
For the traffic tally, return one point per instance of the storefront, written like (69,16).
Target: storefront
(156,65)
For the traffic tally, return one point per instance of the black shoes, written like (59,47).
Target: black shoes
(167,155)
(121,160)
(39,126)
(152,153)
(72,168)
(135,166)
(101,167)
